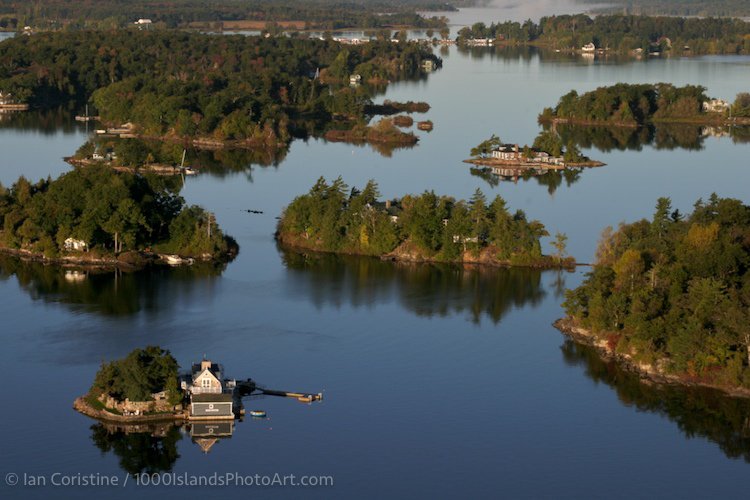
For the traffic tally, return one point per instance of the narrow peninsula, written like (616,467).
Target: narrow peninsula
(670,297)
(420,228)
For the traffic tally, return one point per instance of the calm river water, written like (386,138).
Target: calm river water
(438,381)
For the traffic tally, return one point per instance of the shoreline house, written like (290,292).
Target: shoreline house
(211,397)
(715,106)
(589,47)
(74,245)
(513,154)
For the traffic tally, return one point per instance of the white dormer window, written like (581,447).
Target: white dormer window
(206,382)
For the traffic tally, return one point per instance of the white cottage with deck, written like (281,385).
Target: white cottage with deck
(211,397)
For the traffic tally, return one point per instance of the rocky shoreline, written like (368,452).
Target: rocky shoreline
(651,372)
(134,260)
(82,406)
(404,253)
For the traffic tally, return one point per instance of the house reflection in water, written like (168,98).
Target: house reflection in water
(207,434)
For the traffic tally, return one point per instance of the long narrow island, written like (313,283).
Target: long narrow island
(670,297)
(418,228)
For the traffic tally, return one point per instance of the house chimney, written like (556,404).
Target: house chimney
(387,204)
(205,365)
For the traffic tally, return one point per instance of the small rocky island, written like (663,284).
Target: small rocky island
(146,386)
(670,297)
(94,216)
(419,228)
(546,154)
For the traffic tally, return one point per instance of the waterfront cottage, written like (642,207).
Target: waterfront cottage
(589,47)
(210,395)
(507,152)
(74,245)
(715,106)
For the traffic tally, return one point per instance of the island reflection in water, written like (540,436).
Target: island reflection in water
(698,412)
(665,136)
(151,448)
(425,289)
(112,293)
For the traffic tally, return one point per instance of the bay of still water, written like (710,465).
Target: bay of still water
(438,381)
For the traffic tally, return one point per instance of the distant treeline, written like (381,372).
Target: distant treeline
(332,218)
(697,8)
(638,104)
(674,291)
(623,33)
(172,83)
(313,14)
(110,212)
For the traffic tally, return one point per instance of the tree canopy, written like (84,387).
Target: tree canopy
(109,211)
(676,288)
(332,218)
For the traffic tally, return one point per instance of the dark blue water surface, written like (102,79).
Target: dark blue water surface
(438,381)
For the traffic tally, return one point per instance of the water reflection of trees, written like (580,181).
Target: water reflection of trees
(148,448)
(698,412)
(111,293)
(661,136)
(424,289)
(48,122)
(551,179)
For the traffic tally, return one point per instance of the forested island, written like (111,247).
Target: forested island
(141,386)
(249,92)
(226,14)
(619,33)
(546,153)
(634,105)
(332,218)
(670,296)
(95,216)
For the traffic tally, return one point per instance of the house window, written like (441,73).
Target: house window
(206,382)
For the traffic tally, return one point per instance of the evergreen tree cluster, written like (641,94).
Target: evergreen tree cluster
(631,104)
(676,288)
(332,218)
(136,377)
(189,84)
(109,211)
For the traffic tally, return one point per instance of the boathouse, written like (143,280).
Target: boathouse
(211,397)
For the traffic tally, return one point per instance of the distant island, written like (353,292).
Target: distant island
(213,91)
(547,153)
(98,217)
(634,105)
(428,228)
(618,33)
(670,297)
(225,15)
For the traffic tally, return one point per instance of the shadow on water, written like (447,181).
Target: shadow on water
(698,412)
(423,289)
(111,293)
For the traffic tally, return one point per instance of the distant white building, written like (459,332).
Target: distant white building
(715,106)
(589,47)
(355,80)
(74,245)
(143,22)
